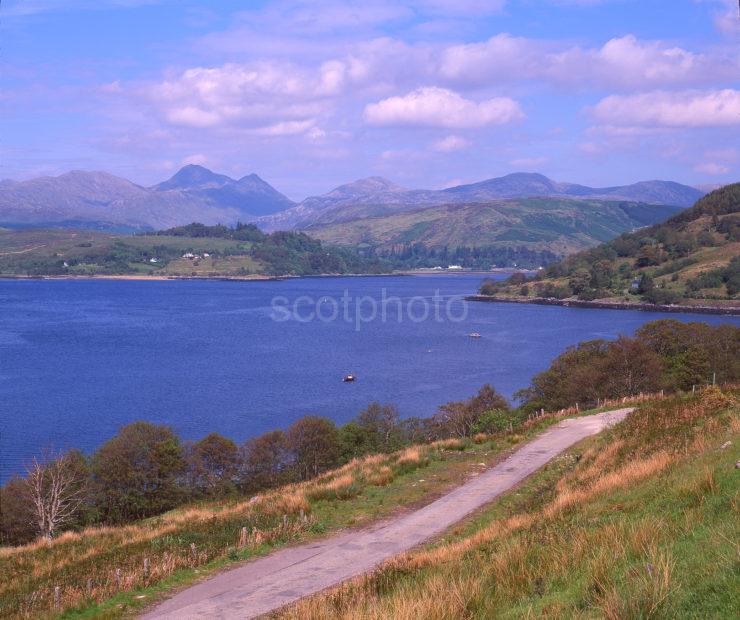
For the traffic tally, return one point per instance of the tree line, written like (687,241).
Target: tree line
(147,469)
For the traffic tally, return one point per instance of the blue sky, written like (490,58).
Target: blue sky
(427,93)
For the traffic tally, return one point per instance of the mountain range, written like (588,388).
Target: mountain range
(194,193)
(525,231)
(376,196)
(102,200)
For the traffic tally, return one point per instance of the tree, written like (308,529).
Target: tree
(136,472)
(646,284)
(459,418)
(496,421)
(517,278)
(264,461)
(212,465)
(314,446)
(56,488)
(575,376)
(17,522)
(380,426)
(629,368)
(691,353)
(579,280)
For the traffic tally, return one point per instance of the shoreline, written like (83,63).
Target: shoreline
(609,305)
(246,278)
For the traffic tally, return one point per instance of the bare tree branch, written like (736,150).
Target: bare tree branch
(56,490)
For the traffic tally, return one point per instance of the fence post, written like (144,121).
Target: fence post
(243,537)
(303,515)
(192,549)
(285,520)
(57,598)
(118,578)
(89,587)
(146,568)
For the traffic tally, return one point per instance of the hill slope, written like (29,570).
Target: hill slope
(693,255)
(640,522)
(189,251)
(377,196)
(530,232)
(104,201)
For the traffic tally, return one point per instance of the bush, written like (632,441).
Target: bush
(662,296)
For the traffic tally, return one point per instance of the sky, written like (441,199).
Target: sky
(427,93)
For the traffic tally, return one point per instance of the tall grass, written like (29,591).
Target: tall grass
(644,525)
(96,563)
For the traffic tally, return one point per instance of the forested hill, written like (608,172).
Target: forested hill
(527,232)
(692,257)
(194,250)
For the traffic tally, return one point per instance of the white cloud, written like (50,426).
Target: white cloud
(246,94)
(198,159)
(438,107)
(671,109)
(287,128)
(726,18)
(625,62)
(712,168)
(451,143)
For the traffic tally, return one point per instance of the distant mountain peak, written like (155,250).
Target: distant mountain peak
(193,176)
(367,185)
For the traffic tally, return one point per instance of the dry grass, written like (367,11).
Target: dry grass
(617,567)
(113,557)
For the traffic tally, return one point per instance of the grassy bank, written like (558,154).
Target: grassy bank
(108,572)
(640,523)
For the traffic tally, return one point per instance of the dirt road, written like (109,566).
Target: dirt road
(285,576)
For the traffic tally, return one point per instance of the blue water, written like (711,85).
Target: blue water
(79,359)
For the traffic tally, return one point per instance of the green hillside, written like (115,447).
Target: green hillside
(691,258)
(638,522)
(529,232)
(187,251)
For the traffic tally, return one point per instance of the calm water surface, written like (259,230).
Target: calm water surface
(79,359)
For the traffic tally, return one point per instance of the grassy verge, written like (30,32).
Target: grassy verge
(100,572)
(640,522)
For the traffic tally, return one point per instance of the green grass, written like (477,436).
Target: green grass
(214,530)
(625,525)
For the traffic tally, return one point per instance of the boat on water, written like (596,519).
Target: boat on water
(349,378)
(474,335)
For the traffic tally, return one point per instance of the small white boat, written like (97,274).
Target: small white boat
(349,378)
(474,335)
